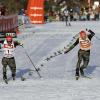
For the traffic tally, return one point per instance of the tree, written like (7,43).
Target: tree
(13,6)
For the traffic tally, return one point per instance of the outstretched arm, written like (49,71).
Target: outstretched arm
(72,46)
(17,43)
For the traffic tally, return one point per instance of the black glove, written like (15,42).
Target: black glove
(89,30)
(21,44)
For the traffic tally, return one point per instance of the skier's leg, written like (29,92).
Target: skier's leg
(86,58)
(69,23)
(12,66)
(4,63)
(66,20)
(78,63)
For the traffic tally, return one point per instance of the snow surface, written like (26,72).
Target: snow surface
(58,82)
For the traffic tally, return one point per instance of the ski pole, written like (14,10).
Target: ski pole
(32,62)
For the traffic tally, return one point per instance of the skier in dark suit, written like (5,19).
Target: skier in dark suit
(84,41)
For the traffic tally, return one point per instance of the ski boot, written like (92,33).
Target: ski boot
(77,74)
(77,77)
(5,79)
(13,76)
(81,72)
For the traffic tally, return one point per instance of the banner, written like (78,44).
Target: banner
(3,35)
(35,11)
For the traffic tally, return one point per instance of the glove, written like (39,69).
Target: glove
(21,44)
(87,30)
(66,51)
(90,31)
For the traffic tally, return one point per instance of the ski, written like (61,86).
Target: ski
(86,77)
(6,81)
(77,77)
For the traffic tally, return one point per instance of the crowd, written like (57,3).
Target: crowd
(75,16)
(2,10)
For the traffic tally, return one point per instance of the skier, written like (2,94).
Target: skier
(8,46)
(67,17)
(84,41)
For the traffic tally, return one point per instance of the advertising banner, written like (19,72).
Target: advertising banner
(35,11)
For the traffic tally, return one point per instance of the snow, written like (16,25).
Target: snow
(58,82)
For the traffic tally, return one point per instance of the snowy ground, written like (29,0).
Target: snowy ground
(58,81)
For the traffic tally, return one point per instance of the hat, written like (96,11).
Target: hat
(82,33)
(9,38)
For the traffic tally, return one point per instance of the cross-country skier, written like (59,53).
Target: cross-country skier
(84,41)
(67,17)
(8,46)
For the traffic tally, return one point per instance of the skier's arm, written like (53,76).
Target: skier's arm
(17,43)
(71,47)
(91,34)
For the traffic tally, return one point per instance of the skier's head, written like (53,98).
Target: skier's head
(83,35)
(9,39)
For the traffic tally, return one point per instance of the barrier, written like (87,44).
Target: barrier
(9,23)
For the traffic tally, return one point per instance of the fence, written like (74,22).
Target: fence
(8,23)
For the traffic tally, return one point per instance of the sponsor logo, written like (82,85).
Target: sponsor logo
(36,8)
